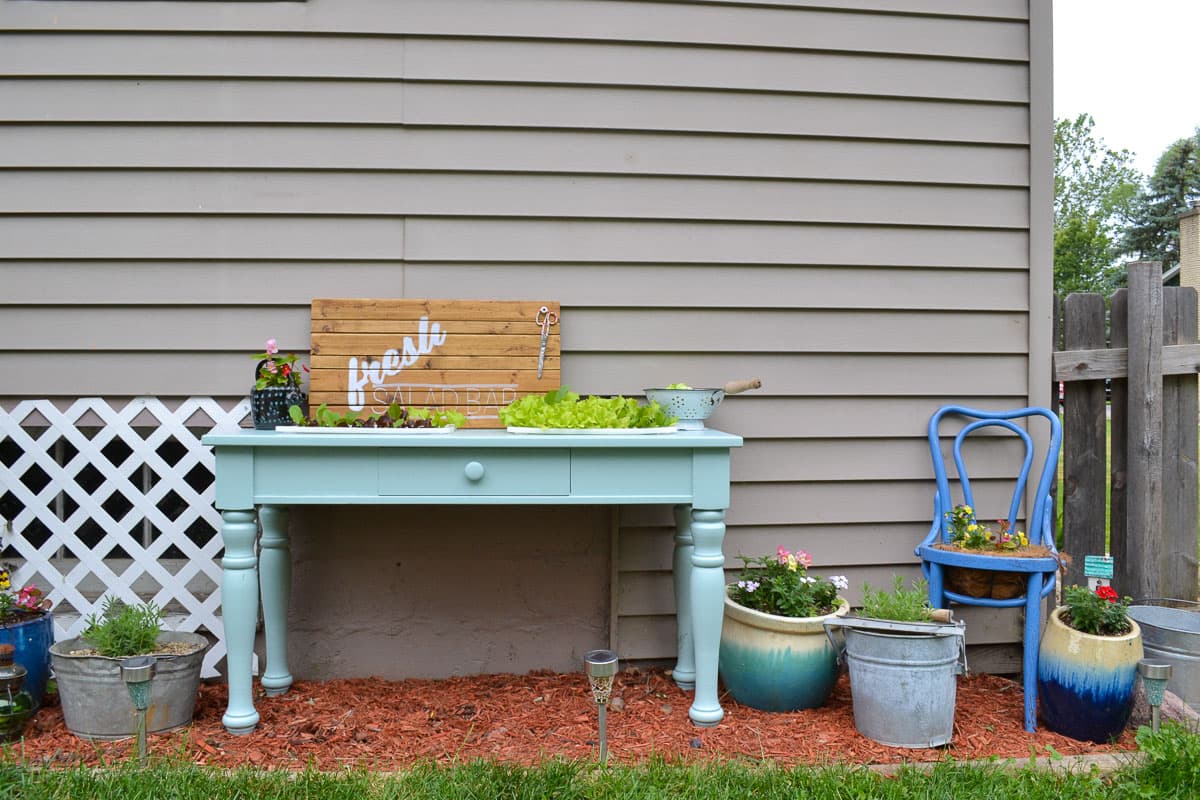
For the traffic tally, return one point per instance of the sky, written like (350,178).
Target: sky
(1115,60)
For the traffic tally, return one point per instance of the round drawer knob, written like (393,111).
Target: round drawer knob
(474,471)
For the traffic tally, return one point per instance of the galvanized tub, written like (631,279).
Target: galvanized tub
(96,702)
(903,679)
(1171,633)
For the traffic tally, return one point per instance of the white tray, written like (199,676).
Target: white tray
(593,431)
(343,431)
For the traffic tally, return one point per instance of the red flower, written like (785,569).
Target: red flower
(1107,593)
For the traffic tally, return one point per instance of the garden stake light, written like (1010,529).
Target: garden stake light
(601,669)
(1155,675)
(138,672)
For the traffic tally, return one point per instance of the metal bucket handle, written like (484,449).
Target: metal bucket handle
(957,628)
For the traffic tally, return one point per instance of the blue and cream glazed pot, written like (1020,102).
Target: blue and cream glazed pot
(775,663)
(1085,682)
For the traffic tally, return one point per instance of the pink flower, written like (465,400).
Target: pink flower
(271,366)
(272,348)
(782,555)
(804,558)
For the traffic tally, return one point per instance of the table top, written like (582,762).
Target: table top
(702,439)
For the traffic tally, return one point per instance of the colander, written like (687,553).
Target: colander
(693,406)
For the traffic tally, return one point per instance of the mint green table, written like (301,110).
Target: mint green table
(261,474)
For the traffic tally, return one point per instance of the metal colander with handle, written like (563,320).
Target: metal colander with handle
(693,406)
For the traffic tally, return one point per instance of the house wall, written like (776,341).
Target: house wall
(834,195)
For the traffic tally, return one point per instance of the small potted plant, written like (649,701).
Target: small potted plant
(95,699)
(774,653)
(276,388)
(27,624)
(903,666)
(1087,664)
(969,534)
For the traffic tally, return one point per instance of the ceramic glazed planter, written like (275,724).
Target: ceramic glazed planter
(777,663)
(96,702)
(31,640)
(1085,682)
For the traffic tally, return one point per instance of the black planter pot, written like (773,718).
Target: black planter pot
(269,407)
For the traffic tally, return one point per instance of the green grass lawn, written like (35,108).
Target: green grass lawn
(1169,767)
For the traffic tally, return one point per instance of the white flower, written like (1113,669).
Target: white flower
(839,582)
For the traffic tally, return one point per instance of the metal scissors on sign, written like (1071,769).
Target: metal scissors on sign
(544,318)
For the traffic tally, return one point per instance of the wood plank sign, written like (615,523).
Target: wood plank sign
(472,356)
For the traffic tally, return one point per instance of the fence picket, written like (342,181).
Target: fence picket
(1084,431)
(1180,411)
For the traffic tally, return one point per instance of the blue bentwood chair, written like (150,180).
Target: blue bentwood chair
(1040,571)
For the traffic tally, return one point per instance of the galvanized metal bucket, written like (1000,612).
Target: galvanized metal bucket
(96,702)
(1171,633)
(903,678)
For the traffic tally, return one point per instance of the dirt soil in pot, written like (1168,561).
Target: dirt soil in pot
(526,719)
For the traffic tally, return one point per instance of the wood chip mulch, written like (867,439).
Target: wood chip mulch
(527,719)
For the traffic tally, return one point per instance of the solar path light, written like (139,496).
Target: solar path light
(601,669)
(138,672)
(1155,675)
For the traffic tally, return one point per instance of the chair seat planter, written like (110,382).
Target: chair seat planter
(1034,574)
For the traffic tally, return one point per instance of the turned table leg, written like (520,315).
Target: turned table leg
(685,664)
(275,569)
(708,609)
(239,614)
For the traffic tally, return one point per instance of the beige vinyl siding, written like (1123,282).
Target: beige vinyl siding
(833,195)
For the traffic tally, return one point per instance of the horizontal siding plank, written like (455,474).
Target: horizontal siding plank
(465,149)
(861,460)
(509,195)
(582,330)
(823,72)
(772,331)
(219,373)
(508,61)
(831,546)
(760,415)
(432,239)
(595,286)
(830,503)
(186,282)
(686,23)
(714,111)
(199,237)
(394,103)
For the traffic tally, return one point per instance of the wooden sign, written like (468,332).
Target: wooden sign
(472,356)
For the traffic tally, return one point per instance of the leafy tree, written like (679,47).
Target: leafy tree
(1094,191)
(1154,232)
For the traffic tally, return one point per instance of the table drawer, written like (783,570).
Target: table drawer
(487,471)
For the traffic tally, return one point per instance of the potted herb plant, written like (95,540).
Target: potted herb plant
(276,388)
(774,654)
(95,700)
(27,624)
(1087,664)
(903,667)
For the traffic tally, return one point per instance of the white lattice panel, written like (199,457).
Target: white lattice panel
(94,478)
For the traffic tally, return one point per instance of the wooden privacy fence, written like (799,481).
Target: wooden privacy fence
(1151,357)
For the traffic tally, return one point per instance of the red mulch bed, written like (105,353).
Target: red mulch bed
(525,719)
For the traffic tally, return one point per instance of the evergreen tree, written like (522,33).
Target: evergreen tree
(1154,232)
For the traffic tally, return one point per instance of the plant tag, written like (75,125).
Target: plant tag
(1098,570)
